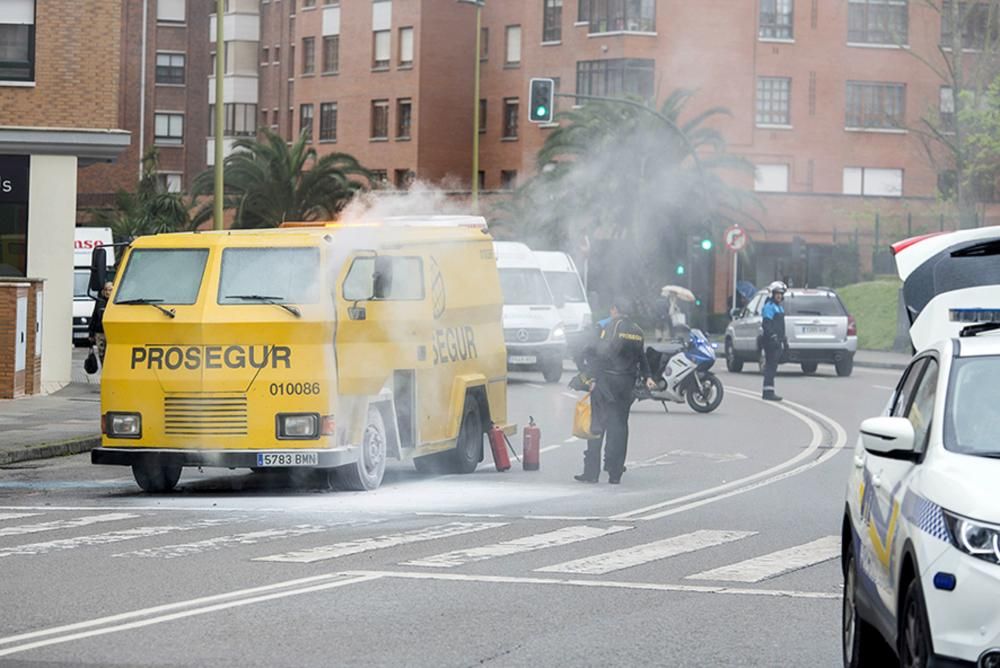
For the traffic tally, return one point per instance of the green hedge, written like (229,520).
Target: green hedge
(874,306)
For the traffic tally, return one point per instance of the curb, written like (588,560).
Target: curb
(48,450)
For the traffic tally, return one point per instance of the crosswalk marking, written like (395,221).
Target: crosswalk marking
(106,538)
(564,536)
(617,560)
(776,563)
(314,554)
(222,542)
(57,525)
(17,516)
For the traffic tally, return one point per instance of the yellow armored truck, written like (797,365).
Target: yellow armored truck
(330,346)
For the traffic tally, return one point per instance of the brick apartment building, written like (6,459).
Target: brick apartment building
(821,93)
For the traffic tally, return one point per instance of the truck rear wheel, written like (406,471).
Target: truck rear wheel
(468,451)
(367,472)
(156,479)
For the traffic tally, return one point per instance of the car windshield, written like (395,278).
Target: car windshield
(972,413)
(565,284)
(522,287)
(164,276)
(256,275)
(823,305)
(81,280)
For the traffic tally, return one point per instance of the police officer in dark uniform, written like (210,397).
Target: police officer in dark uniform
(775,341)
(614,360)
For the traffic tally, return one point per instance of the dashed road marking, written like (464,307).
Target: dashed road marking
(108,538)
(549,448)
(57,525)
(559,537)
(776,563)
(221,542)
(637,555)
(322,553)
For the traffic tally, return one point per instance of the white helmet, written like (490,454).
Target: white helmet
(777,286)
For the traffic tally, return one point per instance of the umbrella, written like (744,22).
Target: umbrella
(677,291)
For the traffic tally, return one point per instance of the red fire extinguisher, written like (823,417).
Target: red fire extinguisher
(498,444)
(531,443)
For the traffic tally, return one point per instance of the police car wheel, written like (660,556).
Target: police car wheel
(915,648)
(469,449)
(156,479)
(845,367)
(367,472)
(809,368)
(861,643)
(733,363)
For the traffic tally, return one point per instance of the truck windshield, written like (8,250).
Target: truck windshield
(524,287)
(565,284)
(81,280)
(282,275)
(163,276)
(972,413)
(813,305)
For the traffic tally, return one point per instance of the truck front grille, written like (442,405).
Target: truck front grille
(205,415)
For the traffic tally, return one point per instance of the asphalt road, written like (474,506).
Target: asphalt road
(719,548)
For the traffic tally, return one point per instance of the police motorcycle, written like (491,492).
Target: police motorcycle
(683,373)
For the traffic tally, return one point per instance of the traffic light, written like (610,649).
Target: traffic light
(706,244)
(680,270)
(540,100)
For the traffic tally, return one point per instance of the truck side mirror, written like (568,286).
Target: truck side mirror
(382,279)
(98,269)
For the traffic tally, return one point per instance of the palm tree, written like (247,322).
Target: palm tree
(148,210)
(268,181)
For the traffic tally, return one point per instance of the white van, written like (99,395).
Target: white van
(532,326)
(86,239)
(567,289)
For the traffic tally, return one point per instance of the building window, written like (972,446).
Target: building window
(382,48)
(482,116)
(774,101)
(481,179)
(511,109)
(168,183)
(583,11)
(239,119)
(265,56)
(878,22)
(405,47)
(291,124)
(263,118)
(331,54)
(404,118)
(170,11)
(291,60)
(277,55)
(328,121)
(513,56)
(776,19)
(947,109)
(617,77)
(308,55)
(306,121)
(621,15)
(508,179)
(308,3)
(17,40)
(770,178)
(380,119)
(878,106)
(867,181)
(379,178)
(484,43)
(168,128)
(404,178)
(170,68)
(977,28)
(275,120)
(552,21)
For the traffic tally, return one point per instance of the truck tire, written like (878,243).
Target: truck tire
(468,451)
(156,479)
(367,472)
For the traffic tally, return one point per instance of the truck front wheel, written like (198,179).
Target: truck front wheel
(366,473)
(156,479)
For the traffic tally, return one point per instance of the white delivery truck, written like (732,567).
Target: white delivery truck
(86,239)
(569,294)
(532,326)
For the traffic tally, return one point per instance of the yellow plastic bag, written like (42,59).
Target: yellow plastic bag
(582,419)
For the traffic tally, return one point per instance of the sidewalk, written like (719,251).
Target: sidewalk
(64,423)
(877,359)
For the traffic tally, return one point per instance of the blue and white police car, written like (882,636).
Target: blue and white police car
(921,529)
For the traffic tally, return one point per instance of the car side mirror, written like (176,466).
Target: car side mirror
(735,313)
(891,437)
(357,313)
(98,269)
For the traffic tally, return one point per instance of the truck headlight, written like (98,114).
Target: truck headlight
(976,539)
(123,425)
(297,426)
(559,333)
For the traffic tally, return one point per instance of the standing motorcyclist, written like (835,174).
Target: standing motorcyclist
(774,341)
(614,360)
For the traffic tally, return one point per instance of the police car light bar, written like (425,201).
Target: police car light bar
(978,320)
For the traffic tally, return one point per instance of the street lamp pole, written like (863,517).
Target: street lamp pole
(475,103)
(220,57)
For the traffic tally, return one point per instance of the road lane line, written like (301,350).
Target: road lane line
(17,516)
(572,439)
(347,548)
(107,538)
(776,563)
(570,395)
(550,447)
(356,579)
(601,584)
(600,564)
(541,541)
(535,386)
(57,525)
(223,542)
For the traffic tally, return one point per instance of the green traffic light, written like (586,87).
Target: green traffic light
(706,244)
(680,270)
(541,112)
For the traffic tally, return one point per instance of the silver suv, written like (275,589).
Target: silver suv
(818,327)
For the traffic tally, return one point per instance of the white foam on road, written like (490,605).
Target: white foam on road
(351,547)
(17,516)
(776,563)
(58,525)
(106,538)
(637,555)
(541,541)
